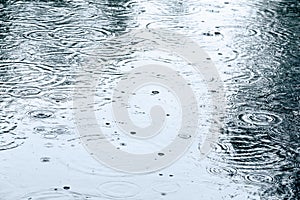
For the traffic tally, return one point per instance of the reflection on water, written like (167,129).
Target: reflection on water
(254,44)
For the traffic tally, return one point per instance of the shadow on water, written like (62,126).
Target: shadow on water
(263,129)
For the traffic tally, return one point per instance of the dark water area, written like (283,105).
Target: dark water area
(44,44)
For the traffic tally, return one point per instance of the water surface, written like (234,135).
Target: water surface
(43,46)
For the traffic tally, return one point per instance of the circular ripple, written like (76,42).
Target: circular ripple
(222,171)
(9,44)
(259,178)
(79,36)
(45,132)
(222,148)
(278,34)
(171,8)
(8,141)
(58,96)
(41,114)
(33,74)
(240,31)
(45,15)
(248,77)
(61,130)
(171,25)
(51,132)
(24,91)
(51,194)
(260,118)
(39,35)
(279,99)
(76,159)
(6,123)
(251,150)
(166,187)
(256,155)
(285,134)
(119,189)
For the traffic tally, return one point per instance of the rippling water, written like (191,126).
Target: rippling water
(43,44)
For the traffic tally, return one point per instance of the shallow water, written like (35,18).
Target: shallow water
(45,44)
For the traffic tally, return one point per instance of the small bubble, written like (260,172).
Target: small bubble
(155,92)
(161,154)
(132,133)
